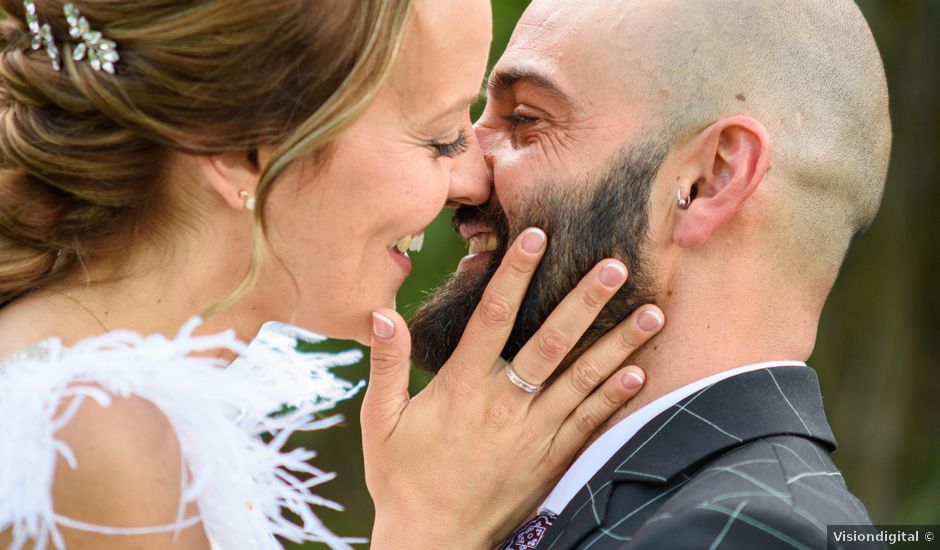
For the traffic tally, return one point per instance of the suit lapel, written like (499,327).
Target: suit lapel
(730,413)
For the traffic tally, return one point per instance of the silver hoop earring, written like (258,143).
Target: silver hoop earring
(683,202)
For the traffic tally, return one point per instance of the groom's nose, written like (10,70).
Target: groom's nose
(469,181)
(488,138)
(484,136)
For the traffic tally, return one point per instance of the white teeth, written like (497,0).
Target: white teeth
(477,245)
(417,243)
(491,244)
(483,243)
(405,244)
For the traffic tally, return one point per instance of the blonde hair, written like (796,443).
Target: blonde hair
(83,155)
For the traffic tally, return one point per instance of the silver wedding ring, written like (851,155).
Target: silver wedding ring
(519,382)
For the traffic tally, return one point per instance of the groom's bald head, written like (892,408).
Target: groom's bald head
(811,73)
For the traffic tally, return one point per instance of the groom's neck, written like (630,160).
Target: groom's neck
(701,339)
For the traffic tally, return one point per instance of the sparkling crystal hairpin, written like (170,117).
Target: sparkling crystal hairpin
(100,51)
(42,34)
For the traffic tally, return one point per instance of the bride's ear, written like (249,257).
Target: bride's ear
(234,175)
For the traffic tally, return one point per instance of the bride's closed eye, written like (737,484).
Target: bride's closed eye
(454,148)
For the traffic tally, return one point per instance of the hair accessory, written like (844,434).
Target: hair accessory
(100,51)
(248,199)
(42,34)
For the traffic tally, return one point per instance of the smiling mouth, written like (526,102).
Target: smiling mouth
(409,243)
(480,238)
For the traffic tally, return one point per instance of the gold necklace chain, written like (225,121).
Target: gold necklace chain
(79,303)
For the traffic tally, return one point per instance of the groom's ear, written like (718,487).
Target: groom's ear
(231,173)
(729,159)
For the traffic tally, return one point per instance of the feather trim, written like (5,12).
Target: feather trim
(241,483)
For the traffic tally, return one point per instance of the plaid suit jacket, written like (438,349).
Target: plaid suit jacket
(743,463)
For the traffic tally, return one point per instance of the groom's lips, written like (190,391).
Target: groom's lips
(469,230)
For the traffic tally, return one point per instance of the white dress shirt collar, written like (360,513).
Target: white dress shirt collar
(605,446)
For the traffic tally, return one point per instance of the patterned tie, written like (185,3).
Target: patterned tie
(529,535)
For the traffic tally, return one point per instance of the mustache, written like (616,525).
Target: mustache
(490,214)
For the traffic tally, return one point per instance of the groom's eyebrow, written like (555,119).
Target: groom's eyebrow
(503,80)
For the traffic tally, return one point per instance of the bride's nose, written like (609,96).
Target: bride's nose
(469,182)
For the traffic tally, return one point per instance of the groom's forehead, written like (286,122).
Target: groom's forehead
(588,50)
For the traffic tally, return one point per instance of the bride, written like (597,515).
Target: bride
(174,174)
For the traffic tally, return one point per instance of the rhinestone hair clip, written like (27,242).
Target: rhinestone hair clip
(100,51)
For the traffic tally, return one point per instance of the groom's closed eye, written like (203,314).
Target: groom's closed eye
(528,103)
(516,120)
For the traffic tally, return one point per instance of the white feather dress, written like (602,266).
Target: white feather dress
(241,483)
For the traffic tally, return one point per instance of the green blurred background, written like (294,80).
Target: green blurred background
(878,349)
(877,352)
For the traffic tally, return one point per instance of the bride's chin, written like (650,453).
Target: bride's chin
(358,328)
(364,332)
(348,321)
(361,333)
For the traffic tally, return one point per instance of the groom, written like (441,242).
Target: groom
(728,151)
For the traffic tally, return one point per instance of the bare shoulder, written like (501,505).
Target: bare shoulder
(33,319)
(129,474)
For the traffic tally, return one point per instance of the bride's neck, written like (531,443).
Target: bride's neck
(153,294)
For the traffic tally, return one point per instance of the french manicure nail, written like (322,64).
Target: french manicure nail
(612,275)
(649,321)
(533,241)
(632,381)
(382,326)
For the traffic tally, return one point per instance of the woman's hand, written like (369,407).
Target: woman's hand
(472,455)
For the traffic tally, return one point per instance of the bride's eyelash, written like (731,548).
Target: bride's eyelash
(453,149)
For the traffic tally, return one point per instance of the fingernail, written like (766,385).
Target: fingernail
(612,275)
(534,241)
(632,381)
(382,326)
(649,321)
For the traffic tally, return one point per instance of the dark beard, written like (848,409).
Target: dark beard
(585,222)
